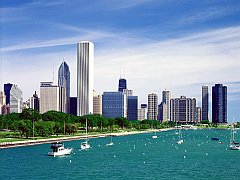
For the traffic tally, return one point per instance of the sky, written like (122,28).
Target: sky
(178,45)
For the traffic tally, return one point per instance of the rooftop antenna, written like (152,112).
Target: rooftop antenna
(53,73)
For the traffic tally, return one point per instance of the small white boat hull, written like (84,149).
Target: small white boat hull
(180,142)
(110,144)
(154,137)
(61,153)
(235,147)
(85,146)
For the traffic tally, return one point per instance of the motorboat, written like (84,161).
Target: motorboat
(59,150)
(180,141)
(233,145)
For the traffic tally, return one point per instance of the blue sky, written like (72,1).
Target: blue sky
(179,45)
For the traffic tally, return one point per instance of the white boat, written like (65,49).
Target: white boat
(154,136)
(85,145)
(111,142)
(59,150)
(180,141)
(233,145)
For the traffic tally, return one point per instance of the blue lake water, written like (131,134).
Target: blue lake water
(131,157)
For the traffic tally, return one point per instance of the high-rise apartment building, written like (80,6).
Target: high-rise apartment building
(152,106)
(50,97)
(114,104)
(34,102)
(132,107)
(13,97)
(97,103)
(85,66)
(122,84)
(163,112)
(183,110)
(219,104)
(64,84)
(205,103)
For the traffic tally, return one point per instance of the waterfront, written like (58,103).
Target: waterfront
(132,157)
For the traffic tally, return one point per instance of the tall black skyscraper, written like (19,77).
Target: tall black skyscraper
(204,102)
(122,85)
(132,107)
(219,104)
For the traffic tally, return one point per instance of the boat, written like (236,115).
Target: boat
(180,141)
(85,145)
(233,144)
(215,139)
(155,135)
(111,142)
(59,150)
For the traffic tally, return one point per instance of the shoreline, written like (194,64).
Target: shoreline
(71,138)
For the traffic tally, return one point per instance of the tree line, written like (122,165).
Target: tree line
(31,123)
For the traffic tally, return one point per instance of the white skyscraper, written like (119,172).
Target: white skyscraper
(85,75)
(166,96)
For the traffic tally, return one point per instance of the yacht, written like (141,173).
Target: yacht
(59,150)
(85,145)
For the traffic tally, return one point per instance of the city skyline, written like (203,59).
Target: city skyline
(181,50)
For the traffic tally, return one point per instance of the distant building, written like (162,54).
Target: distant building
(34,102)
(64,84)
(142,112)
(122,84)
(73,106)
(198,115)
(163,112)
(183,110)
(219,104)
(13,97)
(114,104)
(50,97)
(166,96)
(132,107)
(205,103)
(128,92)
(97,103)
(2,101)
(152,106)
(85,70)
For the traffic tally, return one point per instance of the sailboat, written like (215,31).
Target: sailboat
(180,141)
(233,145)
(111,142)
(155,133)
(85,145)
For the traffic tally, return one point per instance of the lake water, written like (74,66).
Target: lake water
(131,157)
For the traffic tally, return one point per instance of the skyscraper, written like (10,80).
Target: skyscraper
(122,84)
(219,104)
(183,110)
(64,83)
(73,106)
(34,102)
(13,97)
(166,96)
(132,107)
(152,106)
(50,97)
(85,66)
(204,102)
(114,104)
